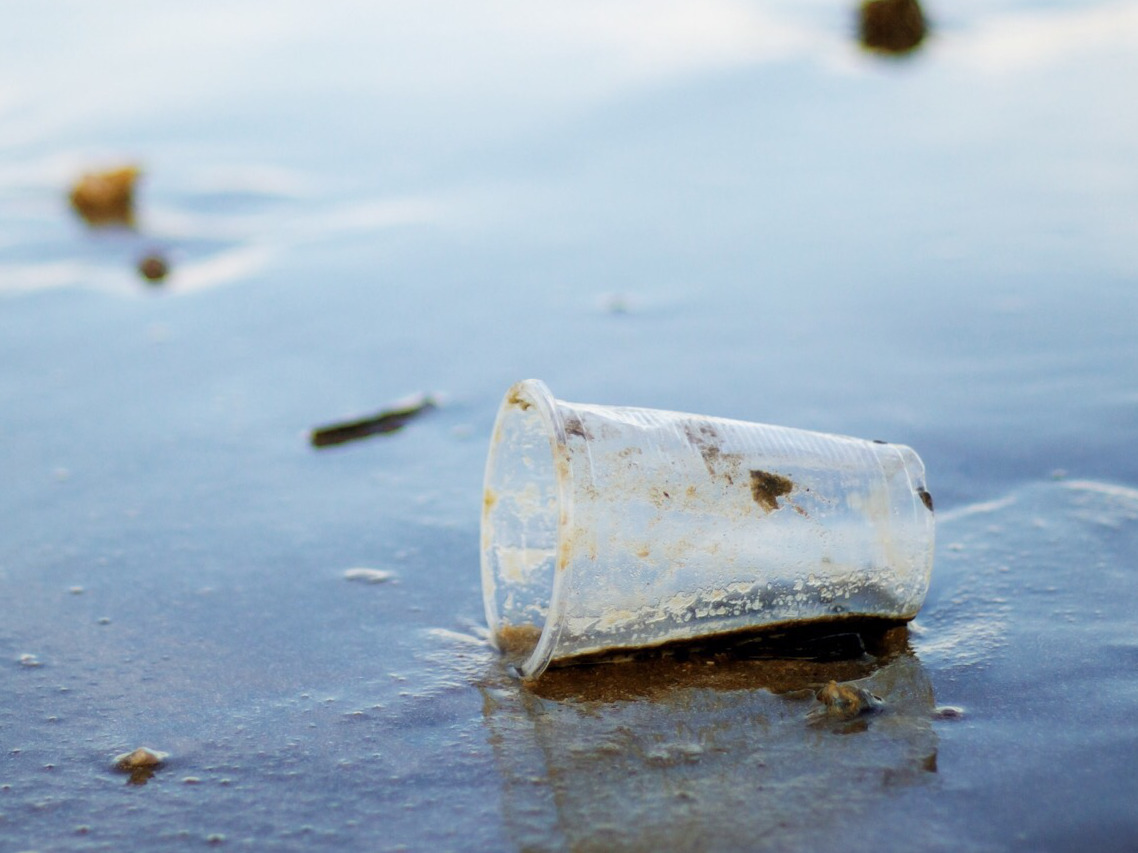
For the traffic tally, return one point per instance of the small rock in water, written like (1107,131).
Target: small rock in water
(948,712)
(29,660)
(153,268)
(140,758)
(894,27)
(106,198)
(140,764)
(368,575)
(843,702)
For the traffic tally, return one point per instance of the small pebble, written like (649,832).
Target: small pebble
(153,268)
(844,702)
(106,198)
(894,27)
(948,712)
(140,758)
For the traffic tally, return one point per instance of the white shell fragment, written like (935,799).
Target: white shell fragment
(368,575)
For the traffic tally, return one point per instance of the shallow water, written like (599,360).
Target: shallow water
(723,208)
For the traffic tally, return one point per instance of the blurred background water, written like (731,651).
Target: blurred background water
(728,207)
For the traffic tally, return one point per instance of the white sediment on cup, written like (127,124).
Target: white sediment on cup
(516,564)
(608,527)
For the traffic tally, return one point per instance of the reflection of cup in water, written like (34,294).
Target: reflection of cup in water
(614,528)
(692,756)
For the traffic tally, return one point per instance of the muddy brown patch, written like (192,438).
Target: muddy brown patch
(516,399)
(573,426)
(703,437)
(781,658)
(767,488)
(517,640)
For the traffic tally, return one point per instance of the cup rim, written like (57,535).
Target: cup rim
(524,394)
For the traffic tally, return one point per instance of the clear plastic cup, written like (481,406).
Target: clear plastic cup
(607,528)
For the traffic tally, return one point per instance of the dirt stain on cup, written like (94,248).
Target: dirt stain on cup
(767,488)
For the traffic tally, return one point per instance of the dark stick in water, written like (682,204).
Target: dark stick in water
(389,420)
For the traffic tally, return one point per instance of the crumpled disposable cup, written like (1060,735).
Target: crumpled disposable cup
(610,528)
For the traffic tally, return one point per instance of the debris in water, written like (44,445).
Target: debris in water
(141,757)
(895,27)
(390,420)
(140,764)
(843,702)
(30,661)
(106,198)
(154,268)
(948,712)
(368,575)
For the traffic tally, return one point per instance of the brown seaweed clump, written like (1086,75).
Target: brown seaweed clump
(106,198)
(895,27)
